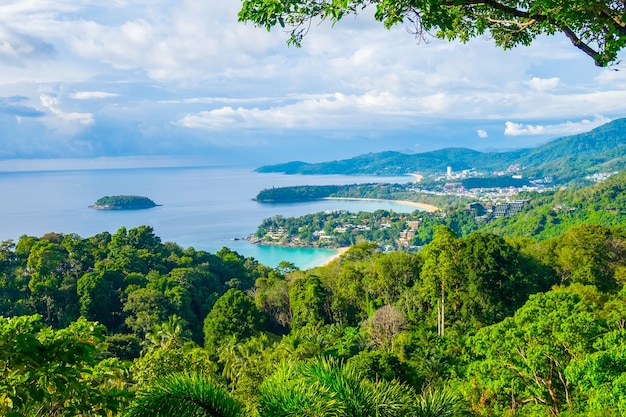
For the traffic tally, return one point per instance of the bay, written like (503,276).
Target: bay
(203,207)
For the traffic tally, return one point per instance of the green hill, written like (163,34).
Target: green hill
(551,214)
(123,202)
(601,150)
(565,159)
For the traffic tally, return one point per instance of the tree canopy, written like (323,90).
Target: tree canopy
(597,28)
(356,337)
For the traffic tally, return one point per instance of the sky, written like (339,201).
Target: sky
(152,79)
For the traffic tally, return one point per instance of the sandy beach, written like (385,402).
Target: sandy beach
(423,206)
(418,177)
(340,251)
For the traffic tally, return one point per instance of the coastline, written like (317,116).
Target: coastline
(423,206)
(417,177)
(340,251)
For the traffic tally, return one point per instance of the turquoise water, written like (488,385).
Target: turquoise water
(207,208)
(304,258)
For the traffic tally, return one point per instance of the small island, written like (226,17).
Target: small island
(123,202)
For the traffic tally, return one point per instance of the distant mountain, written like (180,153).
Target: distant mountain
(573,157)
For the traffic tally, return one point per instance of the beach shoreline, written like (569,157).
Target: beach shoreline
(417,177)
(423,206)
(340,251)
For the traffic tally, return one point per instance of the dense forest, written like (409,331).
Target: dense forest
(124,324)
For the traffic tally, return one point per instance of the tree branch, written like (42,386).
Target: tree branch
(581,45)
(501,7)
(520,25)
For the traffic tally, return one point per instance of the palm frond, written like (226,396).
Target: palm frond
(325,388)
(184,395)
(442,402)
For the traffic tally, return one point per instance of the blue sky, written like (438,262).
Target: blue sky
(157,78)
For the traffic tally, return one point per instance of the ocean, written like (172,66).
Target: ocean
(204,207)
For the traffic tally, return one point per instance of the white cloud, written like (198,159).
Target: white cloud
(90,95)
(613,78)
(157,64)
(543,84)
(66,122)
(567,128)
(320,112)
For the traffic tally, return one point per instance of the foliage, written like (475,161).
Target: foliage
(272,298)
(245,364)
(307,299)
(438,403)
(165,361)
(184,395)
(325,388)
(127,280)
(49,372)
(601,376)
(498,279)
(124,202)
(233,315)
(511,345)
(595,28)
(523,359)
(296,193)
(379,365)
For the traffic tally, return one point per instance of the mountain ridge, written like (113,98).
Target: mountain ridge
(566,158)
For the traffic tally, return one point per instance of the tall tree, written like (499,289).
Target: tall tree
(522,360)
(441,274)
(98,297)
(307,298)
(589,255)
(597,28)
(498,278)
(393,272)
(233,315)
(46,262)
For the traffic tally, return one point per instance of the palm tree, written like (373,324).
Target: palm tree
(170,334)
(184,395)
(442,402)
(325,388)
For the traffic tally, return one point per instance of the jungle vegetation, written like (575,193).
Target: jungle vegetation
(124,324)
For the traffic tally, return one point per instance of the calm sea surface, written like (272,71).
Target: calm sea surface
(206,208)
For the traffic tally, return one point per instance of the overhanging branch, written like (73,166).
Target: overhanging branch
(581,45)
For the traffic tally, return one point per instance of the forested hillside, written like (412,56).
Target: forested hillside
(564,159)
(553,213)
(124,324)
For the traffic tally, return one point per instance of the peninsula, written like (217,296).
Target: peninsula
(123,202)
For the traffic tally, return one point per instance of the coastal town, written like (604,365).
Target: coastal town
(468,199)
(407,231)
